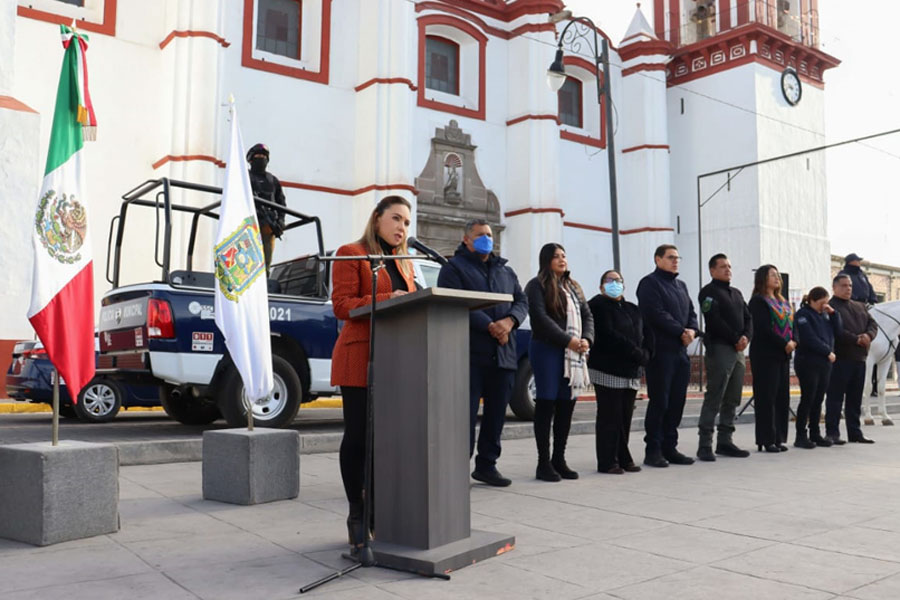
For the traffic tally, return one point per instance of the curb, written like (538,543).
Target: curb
(173,451)
(20,406)
(163,451)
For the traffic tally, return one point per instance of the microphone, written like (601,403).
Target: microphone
(412,242)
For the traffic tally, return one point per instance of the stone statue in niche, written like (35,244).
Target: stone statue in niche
(453,179)
(450,192)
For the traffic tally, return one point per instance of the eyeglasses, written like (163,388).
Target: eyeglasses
(612,279)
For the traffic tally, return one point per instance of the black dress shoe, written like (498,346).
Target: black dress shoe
(729,449)
(835,440)
(802,442)
(492,477)
(705,453)
(861,439)
(613,470)
(767,448)
(632,468)
(677,458)
(821,442)
(655,460)
(782,448)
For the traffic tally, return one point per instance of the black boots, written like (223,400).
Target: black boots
(728,448)
(558,416)
(543,418)
(562,423)
(705,453)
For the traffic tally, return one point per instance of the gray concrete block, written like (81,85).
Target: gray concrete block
(51,494)
(251,467)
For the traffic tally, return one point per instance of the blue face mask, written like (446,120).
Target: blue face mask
(483,244)
(613,289)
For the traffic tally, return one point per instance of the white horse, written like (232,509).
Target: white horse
(881,353)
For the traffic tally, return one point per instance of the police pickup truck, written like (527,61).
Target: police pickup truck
(163,332)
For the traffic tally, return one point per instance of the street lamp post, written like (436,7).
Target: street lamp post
(583,31)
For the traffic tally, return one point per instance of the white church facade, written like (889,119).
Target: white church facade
(444,102)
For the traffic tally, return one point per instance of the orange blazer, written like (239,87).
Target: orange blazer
(352,288)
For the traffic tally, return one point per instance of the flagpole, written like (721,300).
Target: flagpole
(55,427)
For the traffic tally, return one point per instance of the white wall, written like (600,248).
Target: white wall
(793,198)
(711,135)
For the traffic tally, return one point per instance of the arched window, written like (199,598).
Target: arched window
(571,103)
(582,118)
(441,65)
(278,27)
(452,66)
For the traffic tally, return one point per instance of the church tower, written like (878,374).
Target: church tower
(745,83)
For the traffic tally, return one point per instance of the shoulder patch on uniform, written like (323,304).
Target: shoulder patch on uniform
(706,306)
(802,319)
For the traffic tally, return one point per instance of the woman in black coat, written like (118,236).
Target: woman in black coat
(770,359)
(817,324)
(562,330)
(615,364)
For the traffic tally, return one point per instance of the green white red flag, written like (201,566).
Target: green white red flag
(62,291)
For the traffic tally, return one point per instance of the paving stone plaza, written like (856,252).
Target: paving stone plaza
(821,523)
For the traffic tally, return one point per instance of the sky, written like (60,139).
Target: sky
(861,98)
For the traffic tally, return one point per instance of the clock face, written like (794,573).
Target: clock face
(790,86)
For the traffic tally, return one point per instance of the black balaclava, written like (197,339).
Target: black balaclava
(258,164)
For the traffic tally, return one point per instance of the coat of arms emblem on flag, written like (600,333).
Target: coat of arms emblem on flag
(61,223)
(239,259)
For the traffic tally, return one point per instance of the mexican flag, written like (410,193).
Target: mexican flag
(62,290)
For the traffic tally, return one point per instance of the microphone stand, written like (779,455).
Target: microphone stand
(366,557)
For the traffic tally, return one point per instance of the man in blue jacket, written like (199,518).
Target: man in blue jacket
(492,340)
(669,313)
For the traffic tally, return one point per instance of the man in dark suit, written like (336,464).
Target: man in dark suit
(669,313)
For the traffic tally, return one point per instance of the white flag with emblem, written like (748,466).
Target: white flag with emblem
(242,302)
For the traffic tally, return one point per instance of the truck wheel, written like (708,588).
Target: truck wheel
(187,410)
(278,410)
(100,401)
(522,401)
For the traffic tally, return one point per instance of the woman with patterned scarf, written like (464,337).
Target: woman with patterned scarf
(562,331)
(770,359)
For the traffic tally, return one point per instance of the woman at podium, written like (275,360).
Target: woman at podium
(385,233)
(562,331)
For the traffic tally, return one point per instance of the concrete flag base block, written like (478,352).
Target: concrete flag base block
(51,494)
(251,467)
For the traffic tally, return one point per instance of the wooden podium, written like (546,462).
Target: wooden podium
(421,473)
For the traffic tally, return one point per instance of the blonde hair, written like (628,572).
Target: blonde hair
(369,238)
